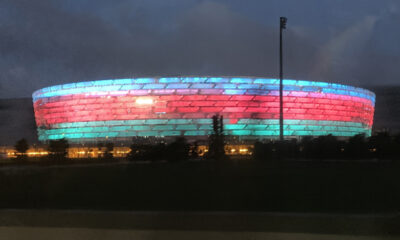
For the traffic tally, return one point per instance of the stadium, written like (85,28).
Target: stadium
(119,109)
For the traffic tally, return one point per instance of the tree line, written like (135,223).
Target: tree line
(379,146)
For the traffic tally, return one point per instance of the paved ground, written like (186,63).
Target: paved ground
(22,233)
(63,224)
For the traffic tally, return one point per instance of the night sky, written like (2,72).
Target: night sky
(49,42)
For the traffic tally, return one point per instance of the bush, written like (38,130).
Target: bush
(177,150)
(58,149)
(21,146)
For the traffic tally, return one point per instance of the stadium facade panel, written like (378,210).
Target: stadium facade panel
(183,106)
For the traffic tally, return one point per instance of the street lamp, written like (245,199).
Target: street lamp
(283,21)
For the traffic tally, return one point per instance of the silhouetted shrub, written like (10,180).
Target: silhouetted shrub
(357,147)
(383,146)
(327,147)
(21,146)
(147,152)
(58,149)
(177,150)
(109,149)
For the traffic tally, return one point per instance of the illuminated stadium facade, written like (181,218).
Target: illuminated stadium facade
(183,106)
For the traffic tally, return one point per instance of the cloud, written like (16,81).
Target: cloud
(54,46)
(52,42)
(334,56)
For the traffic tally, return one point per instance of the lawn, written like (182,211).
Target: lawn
(242,185)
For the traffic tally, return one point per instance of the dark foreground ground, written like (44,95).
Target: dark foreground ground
(303,187)
(86,224)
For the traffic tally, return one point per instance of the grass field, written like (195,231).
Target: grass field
(333,187)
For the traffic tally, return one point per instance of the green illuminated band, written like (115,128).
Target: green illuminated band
(198,127)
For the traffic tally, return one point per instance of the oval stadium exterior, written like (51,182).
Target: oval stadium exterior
(120,109)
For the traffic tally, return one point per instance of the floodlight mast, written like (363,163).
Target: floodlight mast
(283,21)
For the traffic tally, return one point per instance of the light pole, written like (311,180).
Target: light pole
(282,26)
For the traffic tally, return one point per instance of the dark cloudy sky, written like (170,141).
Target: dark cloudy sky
(47,42)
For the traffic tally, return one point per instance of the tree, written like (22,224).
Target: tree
(109,149)
(288,148)
(356,147)
(306,147)
(100,149)
(58,148)
(384,145)
(327,147)
(322,147)
(21,146)
(145,151)
(259,151)
(216,149)
(178,150)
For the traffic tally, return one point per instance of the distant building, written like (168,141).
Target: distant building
(183,106)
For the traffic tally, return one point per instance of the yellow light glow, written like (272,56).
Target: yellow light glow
(144,101)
